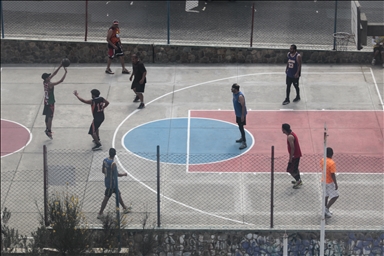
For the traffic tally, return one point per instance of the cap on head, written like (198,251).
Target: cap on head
(236,86)
(95,92)
(112,152)
(286,127)
(329,152)
(116,22)
(45,76)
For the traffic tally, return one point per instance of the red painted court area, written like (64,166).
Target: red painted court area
(14,137)
(355,136)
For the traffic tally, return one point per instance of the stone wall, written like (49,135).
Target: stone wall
(39,52)
(241,243)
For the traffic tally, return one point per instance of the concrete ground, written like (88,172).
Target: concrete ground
(235,200)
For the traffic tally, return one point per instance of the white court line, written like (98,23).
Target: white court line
(377,89)
(188,141)
(30,137)
(182,89)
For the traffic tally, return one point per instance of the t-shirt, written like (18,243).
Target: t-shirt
(98,108)
(297,152)
(110,173)
(138,71)
(49,96)
(330,168)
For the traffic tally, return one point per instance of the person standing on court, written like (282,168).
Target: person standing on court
(331,187)
(138,85)
(240,112)
(378,49)
(293,71)
(98,104)
(49,98)
(294,155)
(110,172)
(114,47)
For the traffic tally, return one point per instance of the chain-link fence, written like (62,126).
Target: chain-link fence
(308,24)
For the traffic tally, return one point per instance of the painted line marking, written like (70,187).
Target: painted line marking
(377,89)
(30,137)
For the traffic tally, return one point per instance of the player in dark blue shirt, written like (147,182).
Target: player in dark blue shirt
(293,71)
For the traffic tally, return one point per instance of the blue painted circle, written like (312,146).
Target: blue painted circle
(206,140)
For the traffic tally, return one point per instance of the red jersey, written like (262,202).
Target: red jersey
(297,152)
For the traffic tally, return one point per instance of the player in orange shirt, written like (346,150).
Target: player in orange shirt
(331,187)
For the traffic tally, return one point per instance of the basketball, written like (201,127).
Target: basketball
(65,62)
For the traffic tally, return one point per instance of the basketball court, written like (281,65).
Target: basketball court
(206,181)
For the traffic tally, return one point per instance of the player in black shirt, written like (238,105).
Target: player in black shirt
(97,104)
(138,85)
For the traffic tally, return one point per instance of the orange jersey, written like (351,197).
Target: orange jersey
(115,37)
(330,168)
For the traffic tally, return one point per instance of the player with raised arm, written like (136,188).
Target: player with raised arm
(98,104)
(49,98)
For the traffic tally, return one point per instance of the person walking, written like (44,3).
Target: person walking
(98,104)
(49,98)
(378,49)
(114,47)
(294,155)
(240,112)
(110,172)
(331,187)
(138,85)
(293,71)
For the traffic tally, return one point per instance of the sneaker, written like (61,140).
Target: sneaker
(109,71)
(97,147)
(49,134)
(127,210)
(373,62)
(136,99)
(296,99)
(100,216)
(286,101)
(298,184)
(126,71)
(142,105)
(95,141)
(243,145)
(328,214)
(239,140)
(294,182)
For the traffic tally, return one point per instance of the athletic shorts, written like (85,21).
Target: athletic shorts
(49,110)
(330,190)
(109,191)
(238,120)
(95,126)
(292,80)
(112,52)
(293,167)
(138,87)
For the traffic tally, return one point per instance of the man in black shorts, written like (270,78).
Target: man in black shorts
(138,85)
(97,104)
(49,98)
(114,47)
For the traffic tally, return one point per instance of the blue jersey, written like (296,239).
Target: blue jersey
(110,172)
(292,65)
(237,106)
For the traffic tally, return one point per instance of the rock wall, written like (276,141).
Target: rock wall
(39,52)
(241,243)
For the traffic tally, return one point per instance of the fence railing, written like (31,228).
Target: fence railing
(235,193)
(228,23)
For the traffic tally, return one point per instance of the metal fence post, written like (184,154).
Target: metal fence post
(168,21)
(45,170)
(86,20)
(335,27)
(2,19)
(253,20)
(272,180)
(117,210)
(158,186)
